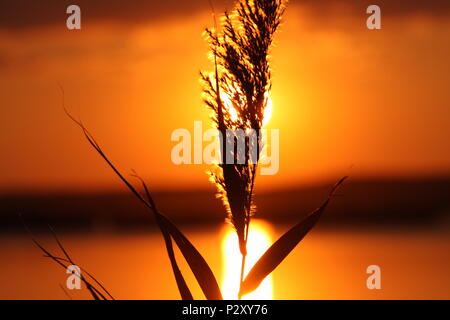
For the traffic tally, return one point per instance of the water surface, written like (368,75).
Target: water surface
(329,264)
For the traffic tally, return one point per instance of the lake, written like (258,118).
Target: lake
(328,264)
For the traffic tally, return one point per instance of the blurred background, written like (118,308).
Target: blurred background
(372,104)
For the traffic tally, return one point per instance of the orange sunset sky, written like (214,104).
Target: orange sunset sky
(347,100)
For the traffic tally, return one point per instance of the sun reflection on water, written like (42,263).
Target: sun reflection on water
(259,241)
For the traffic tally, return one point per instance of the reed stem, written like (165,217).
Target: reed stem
(244,256)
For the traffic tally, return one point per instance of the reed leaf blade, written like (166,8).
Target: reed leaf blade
(283,247)
(195,260)
(181,283)
(200,268)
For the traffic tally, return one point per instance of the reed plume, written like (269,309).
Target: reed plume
(237,92)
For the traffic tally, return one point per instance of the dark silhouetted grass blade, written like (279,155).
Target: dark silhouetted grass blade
(195,260)
(197,263)
(282,247)
(181,283)
(65,262)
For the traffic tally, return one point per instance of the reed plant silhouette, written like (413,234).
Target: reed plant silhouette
(242,77)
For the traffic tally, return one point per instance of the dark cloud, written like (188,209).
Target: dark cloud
(19,14)
(16,14)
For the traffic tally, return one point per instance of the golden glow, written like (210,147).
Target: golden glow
(233,112)
(229,106)
(258,242)
(268,110)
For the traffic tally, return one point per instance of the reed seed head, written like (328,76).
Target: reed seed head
(237,94)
